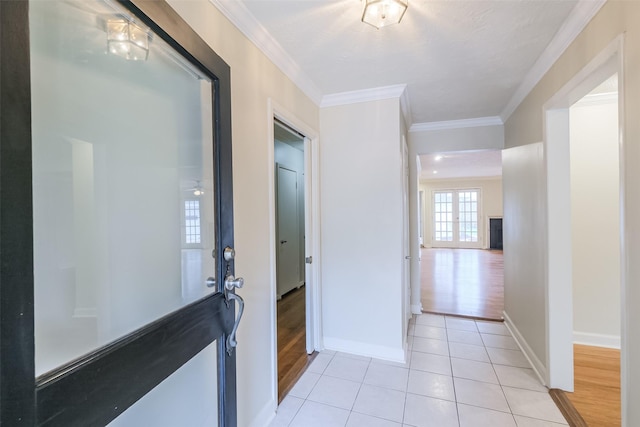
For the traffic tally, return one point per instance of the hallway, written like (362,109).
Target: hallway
(463,282)
(461,373)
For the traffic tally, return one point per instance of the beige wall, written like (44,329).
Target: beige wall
(361,191)
(526,126)
(490,202)
(254,79)
(595,222)
(524,292)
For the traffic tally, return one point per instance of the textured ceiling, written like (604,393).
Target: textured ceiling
(468,164)
(460,58)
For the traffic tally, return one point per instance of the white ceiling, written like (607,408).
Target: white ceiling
(468,164)
(460,59)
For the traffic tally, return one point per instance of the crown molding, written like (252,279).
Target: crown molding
(405,106)
(242,18)
(577,20)
(597,99)
(426,180)
(457,124)
(364,95)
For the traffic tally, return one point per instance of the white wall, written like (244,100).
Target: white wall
(289,156)
(254,80)
(361,219)
(526,126)
(457,139)
(491,202)
(595,222)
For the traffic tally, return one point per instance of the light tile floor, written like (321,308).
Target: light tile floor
(461,373)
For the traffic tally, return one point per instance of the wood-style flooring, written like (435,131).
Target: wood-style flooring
(292,353)
(463,282)
(596,393)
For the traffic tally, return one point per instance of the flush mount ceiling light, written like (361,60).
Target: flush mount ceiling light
(381,13)
(126,39)
(197,190)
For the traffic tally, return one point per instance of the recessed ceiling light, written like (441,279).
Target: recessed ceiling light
(435,172)
(438,158)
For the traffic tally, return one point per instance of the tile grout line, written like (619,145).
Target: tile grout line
(453,382)
(493,367)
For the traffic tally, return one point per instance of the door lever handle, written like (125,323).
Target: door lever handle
(231,338)
(283,241)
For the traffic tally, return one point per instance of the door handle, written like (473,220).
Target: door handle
(231,283)
(283,241)
(231,338)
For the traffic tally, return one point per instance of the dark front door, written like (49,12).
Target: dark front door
(116,218)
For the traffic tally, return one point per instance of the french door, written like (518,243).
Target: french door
(456,216)
(116,220)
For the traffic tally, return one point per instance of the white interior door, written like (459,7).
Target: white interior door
(288,231)
(456,218)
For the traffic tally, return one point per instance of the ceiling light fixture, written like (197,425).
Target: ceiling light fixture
(438,158)
(435,172)
(126,39)
(380,13)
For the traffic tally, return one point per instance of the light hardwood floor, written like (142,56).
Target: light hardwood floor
(292,352)
(596,393)
(463,282)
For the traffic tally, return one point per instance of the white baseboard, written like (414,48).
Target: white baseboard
(265,416)
(596,340)
(394,354)
(416,308)
(539,368)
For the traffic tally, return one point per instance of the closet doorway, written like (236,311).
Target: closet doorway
(289,157)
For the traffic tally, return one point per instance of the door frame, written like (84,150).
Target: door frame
(98,380)
(559,293)
(312,233)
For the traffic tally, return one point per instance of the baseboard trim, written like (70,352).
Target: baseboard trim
(567,409)
(596,340)
(464,316)
(538,367)
(265,416)
(416,308)
(392,354)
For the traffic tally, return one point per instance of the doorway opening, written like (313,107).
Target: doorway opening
(460,273)
(595,205)
(585,307)
(294,351)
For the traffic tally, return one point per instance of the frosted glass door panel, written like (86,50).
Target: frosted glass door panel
(122,178)
(187,398)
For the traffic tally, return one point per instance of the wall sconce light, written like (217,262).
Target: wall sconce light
(126,39)
(381,13)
